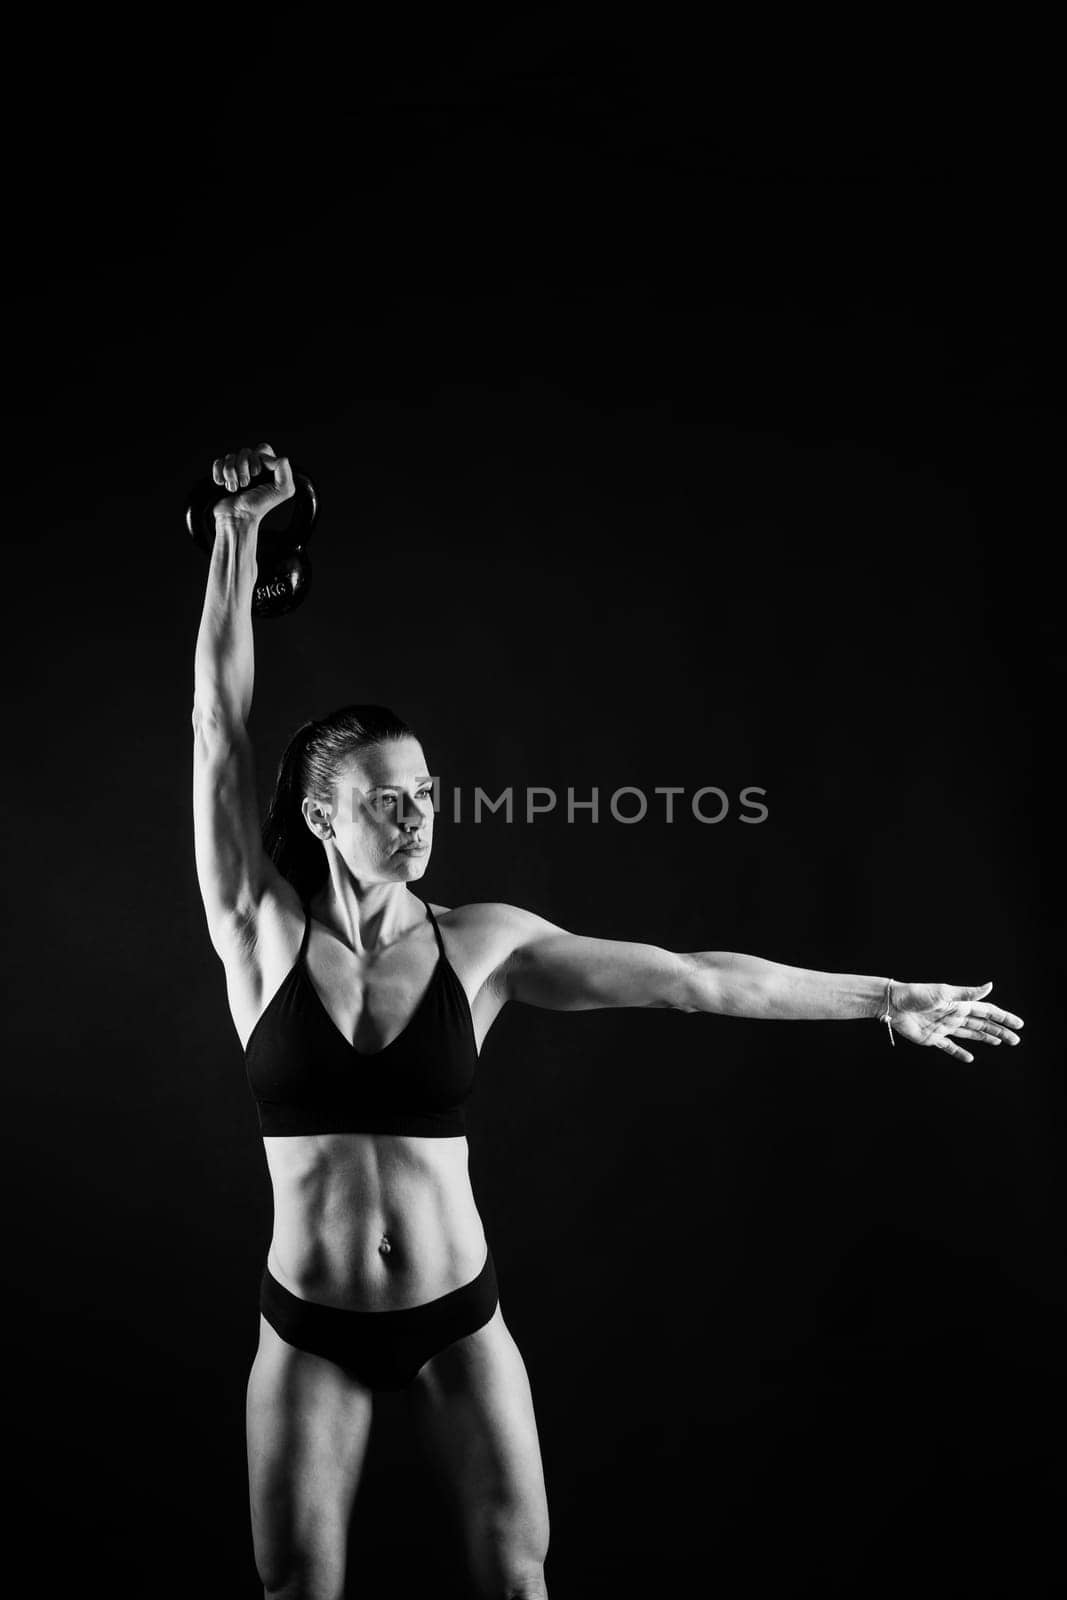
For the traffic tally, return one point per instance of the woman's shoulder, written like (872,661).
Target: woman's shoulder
(492,925)
(495,911)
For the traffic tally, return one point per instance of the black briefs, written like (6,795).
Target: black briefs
(380,1349)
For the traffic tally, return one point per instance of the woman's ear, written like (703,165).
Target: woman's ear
(319,818)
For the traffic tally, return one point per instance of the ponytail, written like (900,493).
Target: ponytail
(310,766)
(287,839)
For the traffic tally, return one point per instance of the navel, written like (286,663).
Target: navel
(385,1247)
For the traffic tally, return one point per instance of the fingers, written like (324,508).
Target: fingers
(976,1008)
(993,1032)
(279,465)
(231,471)
(993,1014)
(983,1031)
(236,470)
(953,1050)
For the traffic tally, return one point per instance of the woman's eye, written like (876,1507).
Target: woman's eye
(424,794)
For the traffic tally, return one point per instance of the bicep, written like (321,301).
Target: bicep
(231,865)
(568,972)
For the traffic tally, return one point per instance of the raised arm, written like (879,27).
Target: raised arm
(546,966)
(231,863)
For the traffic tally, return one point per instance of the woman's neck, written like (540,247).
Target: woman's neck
(365,916)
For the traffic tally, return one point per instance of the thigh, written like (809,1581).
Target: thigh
(307,1425)
(474,1411)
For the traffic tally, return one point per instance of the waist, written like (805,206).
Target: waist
(371,1221)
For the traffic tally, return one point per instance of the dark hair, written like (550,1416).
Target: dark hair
(310,765)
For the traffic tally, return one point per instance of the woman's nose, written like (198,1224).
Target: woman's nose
(411,814)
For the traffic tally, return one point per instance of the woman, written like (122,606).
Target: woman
(361,1009)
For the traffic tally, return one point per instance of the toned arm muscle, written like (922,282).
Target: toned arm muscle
(546,966)
(231,865)
(549,967)
(561,971)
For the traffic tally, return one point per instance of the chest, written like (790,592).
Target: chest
(371,1000)
(376,1047)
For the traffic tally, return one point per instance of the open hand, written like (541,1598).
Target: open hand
(936,1013)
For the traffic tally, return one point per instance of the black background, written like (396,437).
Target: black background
(681,415)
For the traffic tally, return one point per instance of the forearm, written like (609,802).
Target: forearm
(225,662)
(748,986)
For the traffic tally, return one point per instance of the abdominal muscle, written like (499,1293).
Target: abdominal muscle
(372,1222)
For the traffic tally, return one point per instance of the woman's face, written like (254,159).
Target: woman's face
(382,818)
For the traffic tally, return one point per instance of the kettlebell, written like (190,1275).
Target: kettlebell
(283,577)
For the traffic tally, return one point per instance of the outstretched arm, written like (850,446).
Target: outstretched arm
(230,861)
(566,972)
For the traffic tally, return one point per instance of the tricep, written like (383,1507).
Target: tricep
(231,864)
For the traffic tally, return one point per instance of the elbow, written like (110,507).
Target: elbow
(691,989)
(712,983)
(215,721)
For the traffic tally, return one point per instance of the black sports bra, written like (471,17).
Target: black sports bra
(307,1078)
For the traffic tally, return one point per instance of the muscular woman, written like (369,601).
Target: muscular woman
(362,1008)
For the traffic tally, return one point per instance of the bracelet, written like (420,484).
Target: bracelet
(884,1016)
